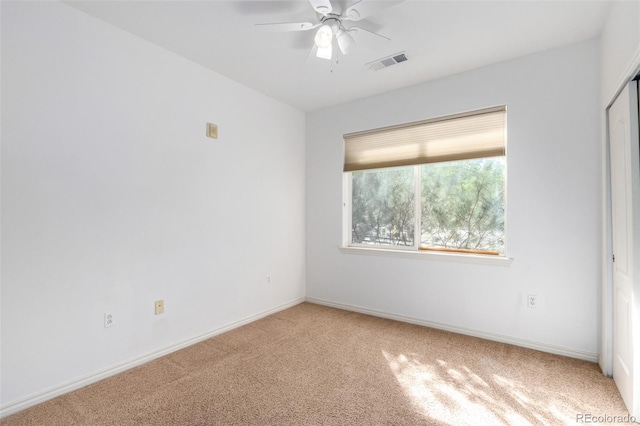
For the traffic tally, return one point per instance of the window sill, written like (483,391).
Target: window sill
(429,255)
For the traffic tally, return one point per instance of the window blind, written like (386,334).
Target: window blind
(464,136)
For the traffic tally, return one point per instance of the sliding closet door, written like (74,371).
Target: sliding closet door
(625,200)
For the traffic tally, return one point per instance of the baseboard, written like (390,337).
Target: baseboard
(530,344)
(22,404)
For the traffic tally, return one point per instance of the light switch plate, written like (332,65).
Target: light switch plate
(212,131)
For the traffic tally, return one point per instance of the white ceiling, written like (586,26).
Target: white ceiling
(439,37)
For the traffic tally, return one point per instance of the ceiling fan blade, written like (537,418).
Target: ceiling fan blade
(318,54)
(361,9)
(325,52)
(312,53)
(287,26)
(368,38)
(321,6)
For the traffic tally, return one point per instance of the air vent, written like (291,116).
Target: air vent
(388,61)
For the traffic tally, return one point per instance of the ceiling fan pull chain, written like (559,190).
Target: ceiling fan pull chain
(331,63)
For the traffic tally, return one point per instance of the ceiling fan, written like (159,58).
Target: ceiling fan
(330,19)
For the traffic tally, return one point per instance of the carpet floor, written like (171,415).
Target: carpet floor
(314,365)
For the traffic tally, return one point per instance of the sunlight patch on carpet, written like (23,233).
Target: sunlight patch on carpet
(456,395)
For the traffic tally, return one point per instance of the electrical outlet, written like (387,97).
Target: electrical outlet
(109,320)
(159,307)
(532,301)
(268,279)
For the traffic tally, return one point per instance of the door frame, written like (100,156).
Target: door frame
(606,352)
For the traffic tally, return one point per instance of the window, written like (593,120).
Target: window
(433,185)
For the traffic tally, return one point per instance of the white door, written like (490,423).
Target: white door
(625,196)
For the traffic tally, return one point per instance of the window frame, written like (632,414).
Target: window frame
(417,240)
(349,247)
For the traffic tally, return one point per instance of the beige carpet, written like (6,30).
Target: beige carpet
(313,365)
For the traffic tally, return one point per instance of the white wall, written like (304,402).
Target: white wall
(553,214)
(112,198)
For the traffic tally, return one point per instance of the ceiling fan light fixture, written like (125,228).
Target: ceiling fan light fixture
(324,37)
(345,40)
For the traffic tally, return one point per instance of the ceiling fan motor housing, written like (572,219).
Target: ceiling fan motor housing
(333,21)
